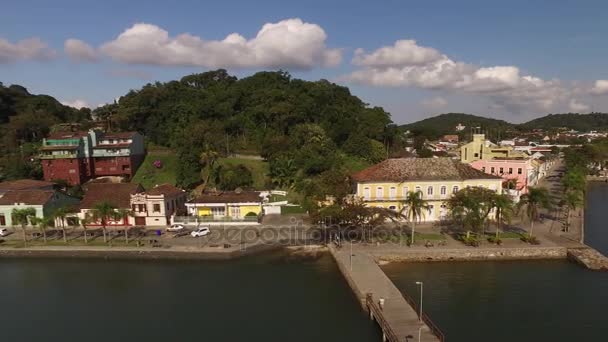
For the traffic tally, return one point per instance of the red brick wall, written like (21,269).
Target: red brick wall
(112,166)
(71,170)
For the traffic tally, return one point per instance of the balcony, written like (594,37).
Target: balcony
(58,156)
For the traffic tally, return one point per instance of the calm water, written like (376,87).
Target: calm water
(518,301)
(261,299)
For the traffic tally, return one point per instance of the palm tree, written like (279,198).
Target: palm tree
(43,223)
(84,222)
(22,217)
(503,204)
(123,213)
(532,202)
(415,208)
(61,214)
(103,212)
(572,200)
(208,159)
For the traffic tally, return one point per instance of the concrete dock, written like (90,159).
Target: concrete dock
(398,319)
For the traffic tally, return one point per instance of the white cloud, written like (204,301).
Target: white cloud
(26,49)
(407,64)
(435,102)
(578,107)
(76,104)
(600,87)
(289,43)
(79,51)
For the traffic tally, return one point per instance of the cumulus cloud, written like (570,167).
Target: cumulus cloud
(76,104)
(26,49)
(289,43)
(600,87)
(79,51)
(408,64)
(435,102)
(578,107)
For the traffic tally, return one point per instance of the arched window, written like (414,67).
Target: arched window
(429,191)
(455,189)
(366,193)
(392,193)
(379,192)
(444,190)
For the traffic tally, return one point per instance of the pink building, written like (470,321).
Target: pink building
(519,170)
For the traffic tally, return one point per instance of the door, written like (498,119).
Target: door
(2,220)
(140,221)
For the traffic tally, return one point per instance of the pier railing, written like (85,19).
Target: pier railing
(375,310)
(425,318)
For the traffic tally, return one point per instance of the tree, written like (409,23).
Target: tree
(503,205)
(414,209)
(103,212)
(22,217)
(230,177)
(123,214)
(471,207)
(43,223)
(207,158)
(84,222)
(572,200)
(61,214)
(574,180)
(532,202)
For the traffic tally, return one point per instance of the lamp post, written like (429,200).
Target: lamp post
(421,284)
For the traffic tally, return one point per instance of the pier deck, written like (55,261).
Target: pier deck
(367,277)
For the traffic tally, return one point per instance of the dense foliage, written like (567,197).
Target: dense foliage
(440,125)
(578,122)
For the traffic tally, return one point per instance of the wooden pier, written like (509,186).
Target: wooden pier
(398,316)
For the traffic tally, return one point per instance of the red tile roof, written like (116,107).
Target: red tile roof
(120,145)
(67,135)
(30,197)
(25,184)
(419,169)
(228,197)
(119,135)
(117,194)
(164,189)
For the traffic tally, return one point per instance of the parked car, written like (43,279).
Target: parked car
(3,232)
(175,228)
(202,231)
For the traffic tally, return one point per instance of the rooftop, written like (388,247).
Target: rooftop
(118,135)
(30,197)
(420,169)
(117,194)
(228,197)
(164,189)
(67,135)
(25,184)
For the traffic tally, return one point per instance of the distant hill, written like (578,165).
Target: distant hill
(579,122)
(446,124)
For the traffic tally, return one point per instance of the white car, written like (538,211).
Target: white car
(175,228)
(202,231)
(3,232)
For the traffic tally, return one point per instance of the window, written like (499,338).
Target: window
(492,170)
(141,207)
(455,189)
(476,155)
(418,189)
(429,191)
(366,193)
(406,191)
(483,169)
(392,192)
(156,208)
(392,207)
(235,211)
(72,171)
(379,192)
(510,170)
(218,211)
(444,190)
(501,170)
(519,171)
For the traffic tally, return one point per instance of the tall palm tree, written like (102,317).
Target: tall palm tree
(61,214)
(572,200)
(103,212)
(503,204)
(22,217)
(208,159)
(532,202)
(84,222)
(123,213)
(415,209)
(43,223)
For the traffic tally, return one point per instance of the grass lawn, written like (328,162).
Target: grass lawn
(258,168)
(149,176)
(292,209)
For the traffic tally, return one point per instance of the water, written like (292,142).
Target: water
(517,301)
(254,299)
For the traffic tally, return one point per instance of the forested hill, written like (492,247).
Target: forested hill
(579,122)
(303,128)
(446,124)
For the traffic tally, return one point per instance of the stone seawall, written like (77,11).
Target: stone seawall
(589,258)
(471,254)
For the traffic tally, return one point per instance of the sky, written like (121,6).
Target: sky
(513,60)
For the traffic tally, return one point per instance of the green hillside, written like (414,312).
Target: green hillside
(579,122)
(446,124)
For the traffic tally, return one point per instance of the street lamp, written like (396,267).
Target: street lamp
(421,293)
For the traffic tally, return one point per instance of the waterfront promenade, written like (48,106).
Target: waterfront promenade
(365,276)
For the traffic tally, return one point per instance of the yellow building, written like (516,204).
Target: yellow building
(226,206)
(387,184)
(482,149)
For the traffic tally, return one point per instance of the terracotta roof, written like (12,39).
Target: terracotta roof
(165,189)
(117,194)
(419,169)
(31,197)
(228,197)
(67,135)
(25,184)
(119,135)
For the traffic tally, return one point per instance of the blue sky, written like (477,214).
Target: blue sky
(513,60)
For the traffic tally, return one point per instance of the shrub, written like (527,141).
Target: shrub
(470,240)
(493,239)
(530,239)
(251,213)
